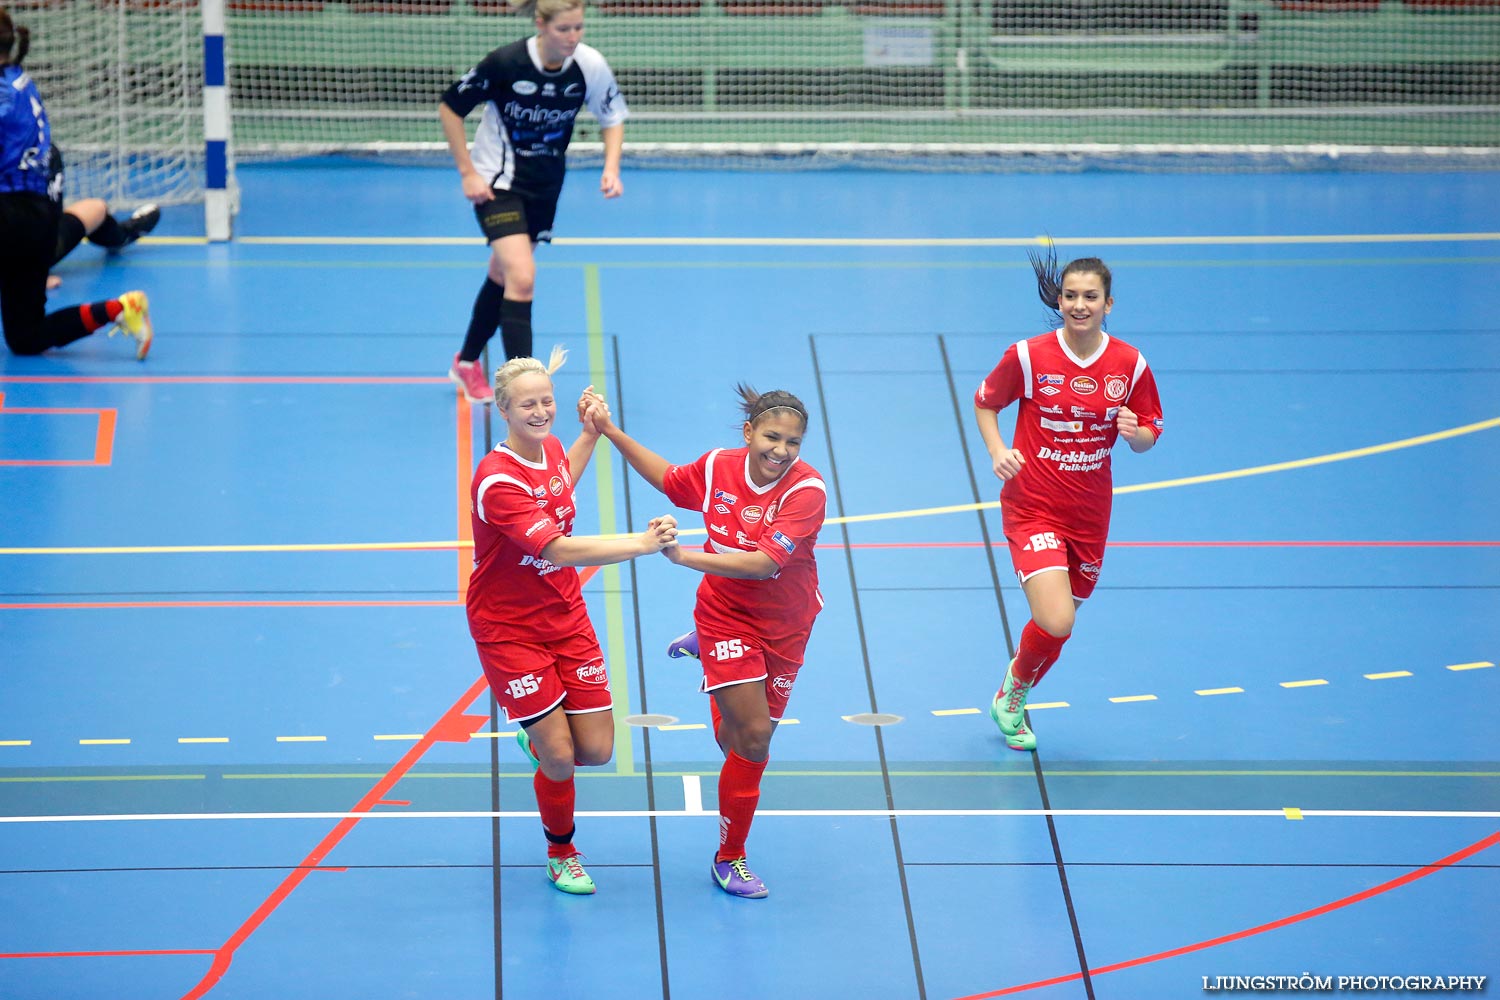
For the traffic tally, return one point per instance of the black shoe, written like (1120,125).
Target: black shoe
(140,222)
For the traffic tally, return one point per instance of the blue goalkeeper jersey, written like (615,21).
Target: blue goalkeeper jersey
(25,136)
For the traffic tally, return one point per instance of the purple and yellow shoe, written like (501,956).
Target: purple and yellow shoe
(684,645)
(736,878)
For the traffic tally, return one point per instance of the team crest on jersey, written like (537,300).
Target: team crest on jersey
(1049,380)
(727,497)
(750,515)
(524,87)
(1115,387)
(771,511)
(1083,385)
(556,486)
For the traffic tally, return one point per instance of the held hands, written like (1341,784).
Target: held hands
(593,412)
(1007,464)
(660,534)
(609,185)
(476,190)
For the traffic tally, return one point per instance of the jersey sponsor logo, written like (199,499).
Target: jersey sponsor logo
(1157,424)
(593,673)
(543,501)
(524,87)
(1049,390)
(720,529)
(545,236)
(1090,570)
(540,491)
(784,682)
(721,508)
(543,566)
(1083,385)
(1101,427)
(784,542)
(538,115)
(1075,461)
(1041,542)
(751,514)
(743,540)
(1063,426)
(549,90)
(469,80)
(1115,387)
(538,526)
(556,486)
(563,512)
(573,89)
(1049,380)
(1111,412)
(1055,410)
(727,497)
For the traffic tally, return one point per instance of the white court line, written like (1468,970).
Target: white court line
(692,794)
(793,813)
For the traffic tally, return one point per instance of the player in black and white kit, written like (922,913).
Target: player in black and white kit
(532,91)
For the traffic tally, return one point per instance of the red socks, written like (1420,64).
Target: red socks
(1036,654)
(739,794)
(555,801)
(97,314)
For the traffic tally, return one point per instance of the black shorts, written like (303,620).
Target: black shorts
(510,214)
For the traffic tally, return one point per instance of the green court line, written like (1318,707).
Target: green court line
(105,777)
(604,481)
(864,241)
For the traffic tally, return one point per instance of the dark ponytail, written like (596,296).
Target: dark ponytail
(1049,280)
(758,404)
(14,36)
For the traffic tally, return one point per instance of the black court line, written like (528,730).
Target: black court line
(864,652)
(494,706)
(640,680)
(1036,758)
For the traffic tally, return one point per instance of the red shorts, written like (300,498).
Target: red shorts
(738,658)
(1040,546)
(531,680)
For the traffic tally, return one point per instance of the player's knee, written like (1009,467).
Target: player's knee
(520,281)
(751,741)
(593,753)
(1056,622)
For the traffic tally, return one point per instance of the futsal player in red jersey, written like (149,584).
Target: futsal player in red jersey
(1079,391)
(525,604)
(763,508)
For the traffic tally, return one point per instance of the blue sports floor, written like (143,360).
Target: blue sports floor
(245,751)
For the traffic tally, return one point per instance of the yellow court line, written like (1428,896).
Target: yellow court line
(855,241)
(15,743)
(203,739)
(1048,704)
(681,727)
(1133,697)
(399,736)
(1388,675)
(1303,684)
(301,739)
(1471,666)
(103,743)
(1213,477)
(1292,812)
(955,711)
(1212,691)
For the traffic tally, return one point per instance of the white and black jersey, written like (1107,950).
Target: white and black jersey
(529,113)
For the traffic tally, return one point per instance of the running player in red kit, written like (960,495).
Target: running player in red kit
(525,605)
(763,508)
(1079,390)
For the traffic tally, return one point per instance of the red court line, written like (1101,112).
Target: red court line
(106,954)
(225,379)
(108,605)
(1318,911)
(454,726)
(104,435)
(1221,544)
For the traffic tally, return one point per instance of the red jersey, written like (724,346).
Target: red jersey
(517,508)
(1065,427)
(782,520)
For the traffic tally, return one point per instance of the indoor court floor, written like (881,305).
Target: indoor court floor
(246,750)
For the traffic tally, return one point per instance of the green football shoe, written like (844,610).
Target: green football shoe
(568,876)
(524,742)
(1009,707)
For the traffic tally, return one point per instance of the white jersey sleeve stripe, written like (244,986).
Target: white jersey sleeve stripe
(708,478)
(814,483)
(1135,379)
(1023,355)
(489,481)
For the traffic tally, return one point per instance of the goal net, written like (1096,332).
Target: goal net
(997,84)
(123,83)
